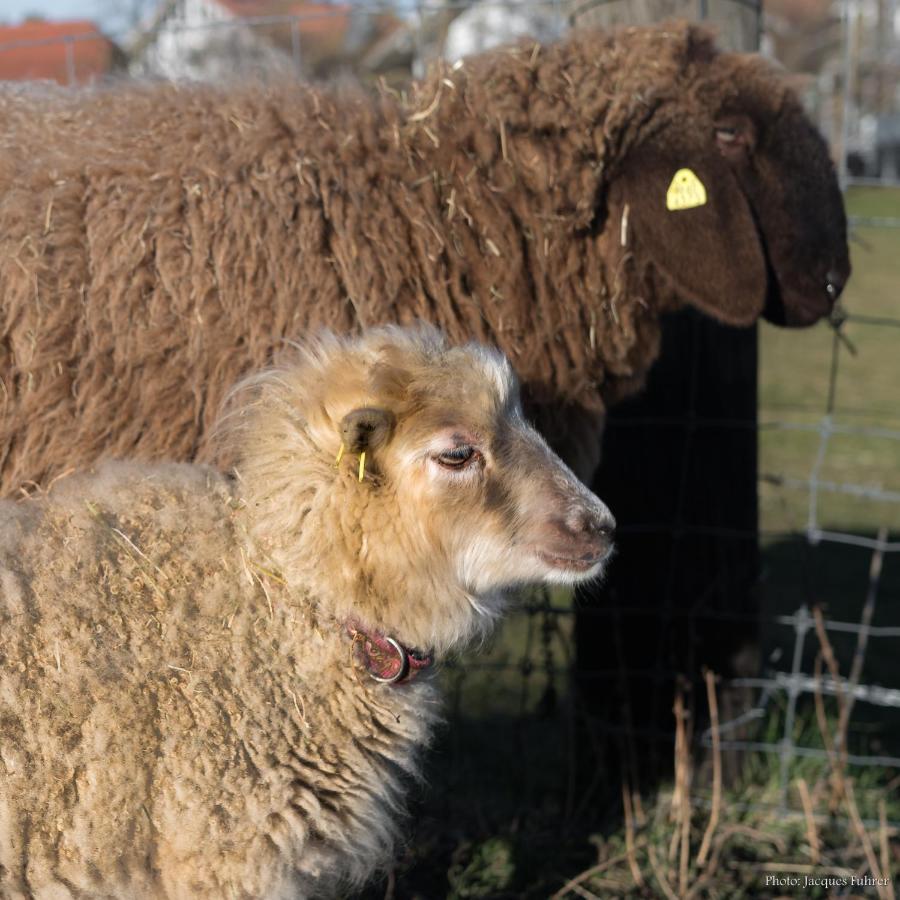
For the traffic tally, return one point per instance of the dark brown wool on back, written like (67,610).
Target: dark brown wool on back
(158,241)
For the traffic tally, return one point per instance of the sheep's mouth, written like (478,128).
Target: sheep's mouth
(805,312)
(570,563)
(797,309)
(796,300)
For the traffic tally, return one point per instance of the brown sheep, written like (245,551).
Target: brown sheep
(205,686)
(158,241)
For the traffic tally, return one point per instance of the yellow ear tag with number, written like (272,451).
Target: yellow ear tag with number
(686,191)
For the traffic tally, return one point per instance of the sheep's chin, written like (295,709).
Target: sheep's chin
(564,570)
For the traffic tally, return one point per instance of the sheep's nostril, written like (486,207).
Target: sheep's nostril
(834,284)
(580,522)
(604,534)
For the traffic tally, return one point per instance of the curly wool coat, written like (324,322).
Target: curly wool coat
(157,241)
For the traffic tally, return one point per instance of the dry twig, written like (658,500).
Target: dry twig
(717,769)
(883,846)
(834,756)
(629,837)
(863,836)
(681,791)
(590,873)
(812,833)
(659,875)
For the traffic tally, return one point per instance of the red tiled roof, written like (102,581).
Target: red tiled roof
(313,18)
(57,51)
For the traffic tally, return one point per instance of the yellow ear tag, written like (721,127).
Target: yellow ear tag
(686,191)
(362,465)
(340,455)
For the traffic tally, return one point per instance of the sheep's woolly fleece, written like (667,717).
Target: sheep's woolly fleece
(167,712)
(180,716)
(158,241)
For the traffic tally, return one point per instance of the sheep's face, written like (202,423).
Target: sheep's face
(732,197)
(782,164)
(443,497)
(501,505)
(462,499)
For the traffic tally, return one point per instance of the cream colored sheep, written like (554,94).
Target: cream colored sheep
(205,686)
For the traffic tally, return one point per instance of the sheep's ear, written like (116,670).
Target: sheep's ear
(366,428)
(683,208)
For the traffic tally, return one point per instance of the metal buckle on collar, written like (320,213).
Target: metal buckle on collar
(402,672)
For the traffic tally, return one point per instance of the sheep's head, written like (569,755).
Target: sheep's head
(731,193)
(442,499)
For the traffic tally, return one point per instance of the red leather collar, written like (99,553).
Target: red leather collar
(384,658)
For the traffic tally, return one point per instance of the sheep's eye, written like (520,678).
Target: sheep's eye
(726,135)
(458,457)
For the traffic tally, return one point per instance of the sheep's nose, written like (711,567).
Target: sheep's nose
(834,284)
(596,529)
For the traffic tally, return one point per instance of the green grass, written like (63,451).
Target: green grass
(753,837)
(794,378)
(523,665)
(873,201)
(794,381)
(758,826)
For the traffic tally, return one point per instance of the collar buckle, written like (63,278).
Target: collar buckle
(403,670)
(384,658)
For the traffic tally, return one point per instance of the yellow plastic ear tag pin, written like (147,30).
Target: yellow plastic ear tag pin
(362,465)
(686,191)
(340,456)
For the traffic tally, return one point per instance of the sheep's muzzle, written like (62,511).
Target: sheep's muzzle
(580,540)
